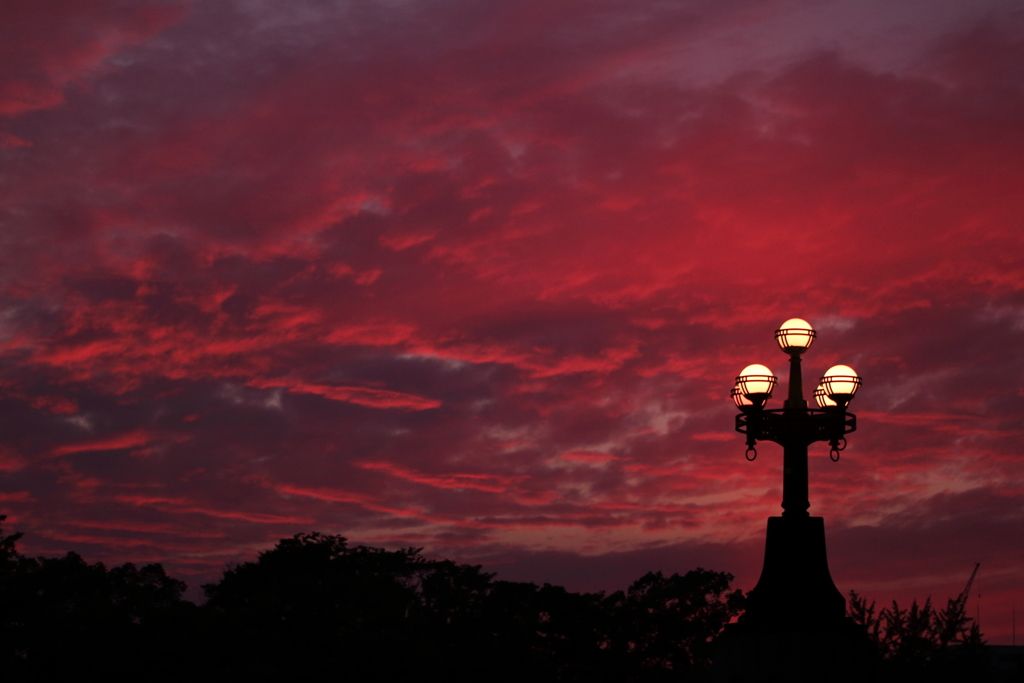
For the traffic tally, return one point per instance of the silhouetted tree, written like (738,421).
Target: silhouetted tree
(663,626)
(921,643)
(8,546)
(62,616)
(314,603)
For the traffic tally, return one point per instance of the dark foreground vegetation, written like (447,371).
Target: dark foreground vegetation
(314,607)
(923,643)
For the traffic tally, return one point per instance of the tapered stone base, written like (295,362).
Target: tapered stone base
(795,627)
(795,591)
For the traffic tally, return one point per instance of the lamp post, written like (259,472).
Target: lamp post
(795,593)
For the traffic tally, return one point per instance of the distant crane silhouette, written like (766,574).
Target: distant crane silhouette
(961,601)
(954,618)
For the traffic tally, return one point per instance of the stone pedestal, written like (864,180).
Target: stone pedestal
(795,590)
(794,658)
(795,627)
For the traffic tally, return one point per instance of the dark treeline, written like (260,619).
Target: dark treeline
(317,608)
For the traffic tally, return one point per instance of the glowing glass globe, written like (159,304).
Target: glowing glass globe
(795,336)
(822,398)
(739,399)
(756,382)
(840,383)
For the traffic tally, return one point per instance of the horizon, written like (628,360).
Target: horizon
(479,279)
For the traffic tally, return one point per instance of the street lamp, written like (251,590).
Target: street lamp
(795,593)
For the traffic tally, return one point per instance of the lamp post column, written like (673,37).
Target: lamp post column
(794,481)
(795,496)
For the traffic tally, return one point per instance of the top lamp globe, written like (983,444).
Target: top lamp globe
(795,336)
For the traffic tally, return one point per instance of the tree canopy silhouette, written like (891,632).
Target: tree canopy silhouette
(315,599)
(61,616)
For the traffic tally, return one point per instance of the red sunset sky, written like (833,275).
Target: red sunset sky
(476,276)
